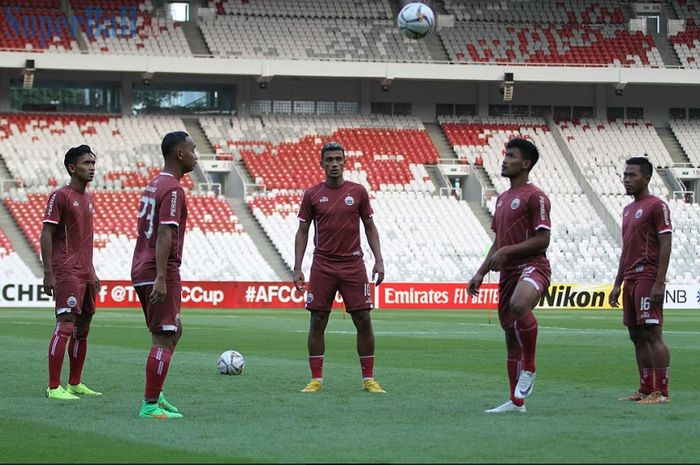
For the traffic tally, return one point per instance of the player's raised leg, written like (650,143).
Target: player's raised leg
(524,299)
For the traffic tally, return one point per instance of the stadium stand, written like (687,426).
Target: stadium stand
(577,229)
(129,28)
(11,265)
(538,11)
(282,152)
(365,9)
(687,46)
(217,246)
(128,151)
(14,36)
(688,134)
(600,149)
(322,38)
(550,43)
(386,155)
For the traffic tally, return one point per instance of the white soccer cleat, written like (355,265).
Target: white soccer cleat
(526,381)
(507,407)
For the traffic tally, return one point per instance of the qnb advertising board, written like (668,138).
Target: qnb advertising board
(418,296)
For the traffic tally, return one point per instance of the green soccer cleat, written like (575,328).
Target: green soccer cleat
(372,386)
(76,389)
(60,394)
(156,412)
(165,405)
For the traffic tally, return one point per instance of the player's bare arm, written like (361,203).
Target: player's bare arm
(659,286)
(300,241)
(46,255)
(163,247)
(478,278)
(373,241)
(537,243)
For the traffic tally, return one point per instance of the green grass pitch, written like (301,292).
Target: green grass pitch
(441,370)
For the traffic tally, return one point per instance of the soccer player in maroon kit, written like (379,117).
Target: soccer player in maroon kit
(522,226)
(155,269)
(646,251)
(336,207)
(69,275)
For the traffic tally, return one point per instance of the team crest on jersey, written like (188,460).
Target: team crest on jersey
(515,204)
(638,213)
(323,199)
(309,298)
(76,203)
(349,200)
(72,301)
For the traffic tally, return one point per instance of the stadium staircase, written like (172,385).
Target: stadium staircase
(19,242)
(195,39)
(678,155)
(483,215)
(610,222)
(195,131)
(437,136)
(668,54)
(260,239)
(673,146)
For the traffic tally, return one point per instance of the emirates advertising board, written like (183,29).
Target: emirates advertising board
(389,296)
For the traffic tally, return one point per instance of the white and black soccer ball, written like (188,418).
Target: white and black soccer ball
(231,363)
(416,20)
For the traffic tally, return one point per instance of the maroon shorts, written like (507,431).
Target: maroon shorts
(637,307)
(537,276)
(75,297)
(164,316)
(348,278)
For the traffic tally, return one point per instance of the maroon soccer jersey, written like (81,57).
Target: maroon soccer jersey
(71,211)
(519,213)
(162,203)
(642,223)
(336,214)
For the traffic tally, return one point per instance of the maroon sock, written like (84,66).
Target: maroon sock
(57,350)
(367,366)
(316,365)
(77,350)
(646,380)
(156,371)
(513,364)
(526,332)
(661,380)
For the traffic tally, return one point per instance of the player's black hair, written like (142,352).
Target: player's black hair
(527,148)
(643,163)
(74,153)
(172,140)
(330,146)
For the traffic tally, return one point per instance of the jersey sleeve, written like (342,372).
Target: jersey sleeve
(365,207)
(171,206)
(539,212)
(54,208)
(306,211)
(662,218)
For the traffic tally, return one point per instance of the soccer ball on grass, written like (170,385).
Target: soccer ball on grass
(230,363)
